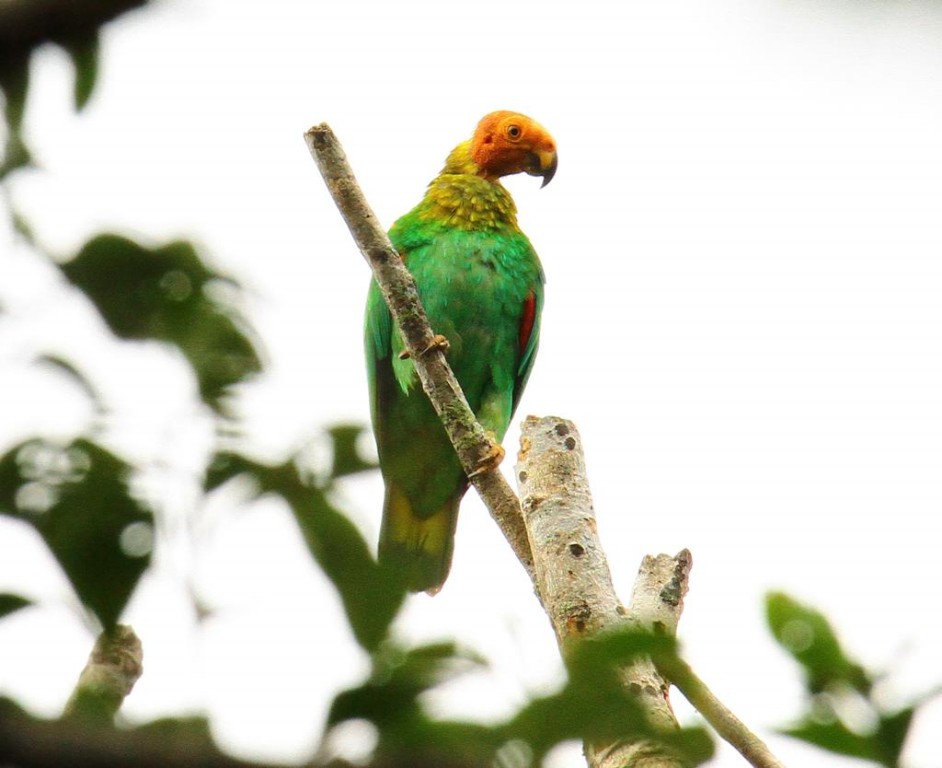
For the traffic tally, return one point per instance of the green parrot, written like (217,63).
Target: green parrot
(481,284)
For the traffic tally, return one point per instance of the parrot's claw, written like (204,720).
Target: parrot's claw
(490,462)
(439,343)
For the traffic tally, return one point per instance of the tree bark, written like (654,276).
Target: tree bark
(576,585)
(114,665)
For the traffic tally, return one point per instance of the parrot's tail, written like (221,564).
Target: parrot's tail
(418,548)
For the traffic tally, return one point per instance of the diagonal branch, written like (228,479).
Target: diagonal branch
(724,722)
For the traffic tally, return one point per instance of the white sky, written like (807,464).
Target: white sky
(743,250)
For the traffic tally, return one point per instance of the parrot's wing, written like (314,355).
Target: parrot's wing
(378,342)
(529,338)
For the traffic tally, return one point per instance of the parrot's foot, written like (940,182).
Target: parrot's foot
(438,342)
(491,461)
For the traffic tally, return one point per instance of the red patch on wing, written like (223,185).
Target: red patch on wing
(526,320)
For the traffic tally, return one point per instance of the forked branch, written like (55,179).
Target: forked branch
(556,523)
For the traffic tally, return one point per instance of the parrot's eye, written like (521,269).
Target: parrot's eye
(514,132)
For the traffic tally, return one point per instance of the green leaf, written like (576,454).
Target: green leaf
(180,730)
(835,737)
(592,660)
(371,593)
(14,81)
(65,367)
(84,52)
(391,699)
(398,678)
(10,603)
(807,635)
(170,295)
(883,746)
(77,497)
(892,732)
(347,457)
(596,706)
(20,223)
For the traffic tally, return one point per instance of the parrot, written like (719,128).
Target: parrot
(481,284)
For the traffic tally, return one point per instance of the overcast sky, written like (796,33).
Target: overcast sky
(743,317)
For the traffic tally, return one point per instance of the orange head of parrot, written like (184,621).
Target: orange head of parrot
(505,143)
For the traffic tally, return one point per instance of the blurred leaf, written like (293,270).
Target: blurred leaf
(347,458)
(371,594)
(883,746)
(20,223)
(179,730)
(397,680)
(835,737)
(227,466)
(83,50)
(595,705)
(68,369)
(391,700)
(168,294)
(77,498)
(10,603)
(807,635)
(892,732)
(592,660)
(14,81)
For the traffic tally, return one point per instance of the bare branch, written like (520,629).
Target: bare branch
(573,575)
(115,664)
(726,724)
(402,298)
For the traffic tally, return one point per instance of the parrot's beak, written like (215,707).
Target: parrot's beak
(542,163)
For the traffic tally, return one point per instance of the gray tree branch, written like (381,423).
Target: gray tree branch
(573,577)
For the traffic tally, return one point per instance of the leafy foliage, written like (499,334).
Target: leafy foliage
(807,635)
(167,294)
(9,603)
(837,686)
(77,497)
(347,457)
(594,706)
(14,81)
(26,26)
(83,50)
(370,593)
